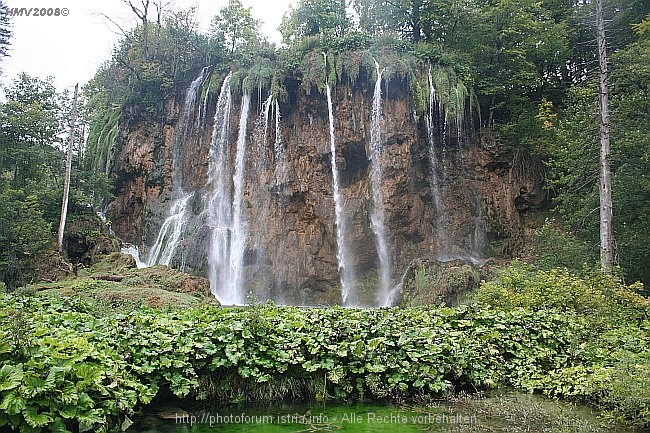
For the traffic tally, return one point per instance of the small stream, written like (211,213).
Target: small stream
(511,412)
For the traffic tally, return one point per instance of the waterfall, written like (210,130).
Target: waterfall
(204,108)
(219,201)
(468,247)
(280,175)
(342,254)
(433,135)
(134,252)
(187,127)
(278,150)
(378,215)
(261,137)
(267,111)
(170,233)
(238,241)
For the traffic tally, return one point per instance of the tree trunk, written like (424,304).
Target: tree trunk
(606,232)
(68,169)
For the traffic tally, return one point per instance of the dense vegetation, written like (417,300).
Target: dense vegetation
(64,364)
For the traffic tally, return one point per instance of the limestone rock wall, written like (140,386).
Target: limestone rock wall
(291,245)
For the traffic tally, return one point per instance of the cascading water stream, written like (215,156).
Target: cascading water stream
(261,162)
(238,242)
(278,150)
(378,217)
(219,204)
(346,274)
(433,137)
(170,233)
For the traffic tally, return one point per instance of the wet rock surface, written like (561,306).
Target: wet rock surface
(486,189)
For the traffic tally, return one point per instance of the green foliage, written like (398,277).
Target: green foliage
(597,295)
(554,248)
(5,33)
(434,283)
(24,235)
(104,123)
(573,161)
(235,27)
(65,374)
(323,18)
(32,119)
(69,369)
(614,343)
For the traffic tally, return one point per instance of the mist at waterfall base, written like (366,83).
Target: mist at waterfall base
(216,213)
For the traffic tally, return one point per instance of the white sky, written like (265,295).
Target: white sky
(71,48)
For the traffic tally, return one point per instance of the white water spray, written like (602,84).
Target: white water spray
(238,242)
(278,150)
(219,205)
(134,252)
(378,217)
(170,233)
(434,143)
(345,268)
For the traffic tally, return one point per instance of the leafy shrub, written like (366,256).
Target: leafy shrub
(554,248)
(108,366)
(614,344)
(600,296)
(24,235)
(580,337)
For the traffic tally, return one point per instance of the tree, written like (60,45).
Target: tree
(406,17)
(142,13)
(574,165)
(24,234)
(606,227)
(5,33)
(31,121)
(518,57)
(322,17)
(235,27)
(630,110)
(68,170)
(30,165)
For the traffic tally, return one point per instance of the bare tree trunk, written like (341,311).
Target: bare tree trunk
(606,232)
(68,169)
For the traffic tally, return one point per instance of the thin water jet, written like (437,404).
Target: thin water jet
(238,241)
(433,136)
(346,274)
(170,232)
(378,217)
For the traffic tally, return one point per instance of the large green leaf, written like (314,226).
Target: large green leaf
(13,403)
(11,376)
(35,419)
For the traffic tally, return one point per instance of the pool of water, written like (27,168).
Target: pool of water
(510,412)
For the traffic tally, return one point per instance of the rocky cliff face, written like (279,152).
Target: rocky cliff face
(472,210)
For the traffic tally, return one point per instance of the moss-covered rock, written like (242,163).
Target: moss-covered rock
(87,238)
(435,282)
(114,281)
